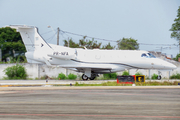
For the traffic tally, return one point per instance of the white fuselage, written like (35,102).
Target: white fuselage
(118,60)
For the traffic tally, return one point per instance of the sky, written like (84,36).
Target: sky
(147,21)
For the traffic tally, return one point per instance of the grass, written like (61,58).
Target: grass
(154,83)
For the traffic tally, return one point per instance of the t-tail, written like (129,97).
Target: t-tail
(31,38)
(37,48)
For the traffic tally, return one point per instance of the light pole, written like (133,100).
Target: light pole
(58,30)
(58,35)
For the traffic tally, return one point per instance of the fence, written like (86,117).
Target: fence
(38,71)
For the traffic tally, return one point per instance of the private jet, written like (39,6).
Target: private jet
(90,62)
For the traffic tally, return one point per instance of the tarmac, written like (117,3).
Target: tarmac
(38,99)
(87,103)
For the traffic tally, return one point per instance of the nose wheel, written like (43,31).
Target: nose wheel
(159,75)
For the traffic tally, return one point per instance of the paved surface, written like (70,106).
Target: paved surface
(88,104)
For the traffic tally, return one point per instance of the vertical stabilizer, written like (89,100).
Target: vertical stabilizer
(31,38)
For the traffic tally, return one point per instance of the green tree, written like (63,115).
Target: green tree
(128,44)
(108,46)
(10,43)
(177,56)
(70,43)
(175,28)
(89,44)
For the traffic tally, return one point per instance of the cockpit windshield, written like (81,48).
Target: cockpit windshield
(144,55)
(148,55)
(151,55)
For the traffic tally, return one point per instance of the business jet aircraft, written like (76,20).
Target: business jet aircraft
(89,62)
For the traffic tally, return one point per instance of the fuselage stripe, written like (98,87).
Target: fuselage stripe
(107,63)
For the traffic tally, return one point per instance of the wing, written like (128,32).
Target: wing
(88,66)
(95,68)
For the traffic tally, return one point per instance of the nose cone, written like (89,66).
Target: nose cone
(164,65)
(169,66)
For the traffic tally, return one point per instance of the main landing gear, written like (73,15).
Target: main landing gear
(93,76)
(84,77)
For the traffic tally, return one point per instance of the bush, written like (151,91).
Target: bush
(72,76)
(106,76)
(175,76)
(61,76)
(138,73)
(125,73)
(16,72)
(110,76)
(154,76)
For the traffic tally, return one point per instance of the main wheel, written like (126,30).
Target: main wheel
(159,77)
(84,77)
(92,78)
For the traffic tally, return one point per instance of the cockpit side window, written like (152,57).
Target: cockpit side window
(151,55)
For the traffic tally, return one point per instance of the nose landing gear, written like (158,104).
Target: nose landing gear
(159,75)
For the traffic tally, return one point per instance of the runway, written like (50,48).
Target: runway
(88,104)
